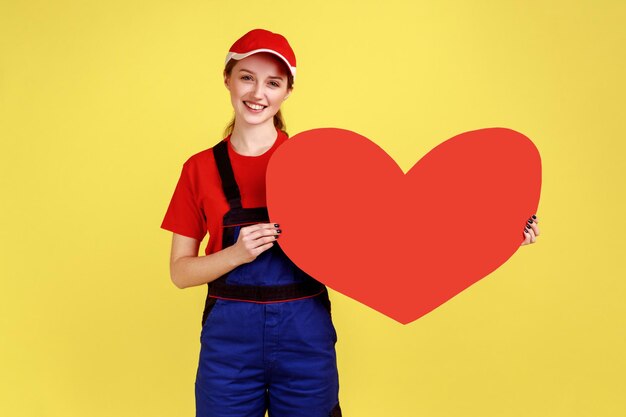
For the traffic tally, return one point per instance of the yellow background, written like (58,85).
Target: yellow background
(102,101)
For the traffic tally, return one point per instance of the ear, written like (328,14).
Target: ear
(290,90)
(226,81)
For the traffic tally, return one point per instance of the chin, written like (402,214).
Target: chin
(250,119)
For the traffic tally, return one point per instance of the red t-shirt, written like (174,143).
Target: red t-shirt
(199,204)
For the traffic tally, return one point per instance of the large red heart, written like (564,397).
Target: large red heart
(403,244)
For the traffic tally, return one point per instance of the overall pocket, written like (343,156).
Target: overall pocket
(324,304)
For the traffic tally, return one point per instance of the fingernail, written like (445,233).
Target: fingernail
(534,217)
(525,230)
(276,224)
(529,220)
(276,236)
(528,226)
(279,231)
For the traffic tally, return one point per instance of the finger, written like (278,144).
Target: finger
(259,226)
(535,218)
(260,249)
(253,242)
(526,240)
(273,232)
(532,234)
(533,224)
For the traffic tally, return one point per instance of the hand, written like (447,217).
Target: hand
(254,240)
(531,230)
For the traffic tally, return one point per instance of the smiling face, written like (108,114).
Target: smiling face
(258,86)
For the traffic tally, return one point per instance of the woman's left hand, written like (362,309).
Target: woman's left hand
(531,230)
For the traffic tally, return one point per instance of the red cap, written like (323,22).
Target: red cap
(261,40)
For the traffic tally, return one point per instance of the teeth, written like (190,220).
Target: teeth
(254,106)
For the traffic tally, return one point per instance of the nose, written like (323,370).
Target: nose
(257,92)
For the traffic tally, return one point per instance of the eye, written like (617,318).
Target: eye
(246,77)
(275,84)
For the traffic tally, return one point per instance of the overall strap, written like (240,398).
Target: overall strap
(238,215)
(229,185)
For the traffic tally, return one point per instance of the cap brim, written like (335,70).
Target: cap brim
(236,56)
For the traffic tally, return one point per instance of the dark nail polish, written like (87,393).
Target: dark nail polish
(528,226)
(276,224)
(277,236)
(530,221)
(279,231)
(534,217)
(526,231)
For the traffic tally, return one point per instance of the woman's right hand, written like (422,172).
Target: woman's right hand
(254,240)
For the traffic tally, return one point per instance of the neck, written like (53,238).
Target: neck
(252,140)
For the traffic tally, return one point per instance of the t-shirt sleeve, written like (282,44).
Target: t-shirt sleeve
(184,214)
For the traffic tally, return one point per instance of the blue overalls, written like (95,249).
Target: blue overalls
(267,340)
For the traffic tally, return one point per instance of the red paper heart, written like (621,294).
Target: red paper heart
(403,244)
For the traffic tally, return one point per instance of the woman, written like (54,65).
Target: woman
(267,340)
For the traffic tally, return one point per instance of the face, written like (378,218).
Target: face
(258,86)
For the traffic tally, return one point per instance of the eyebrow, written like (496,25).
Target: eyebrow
(271,76)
